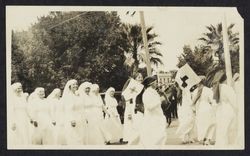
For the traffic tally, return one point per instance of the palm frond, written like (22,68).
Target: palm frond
(209,28)
(231,26)
(154,51)
(219,28)
(153,44)
(156,60)
(151,37)
(149,29)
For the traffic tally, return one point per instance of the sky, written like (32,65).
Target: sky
(176,26)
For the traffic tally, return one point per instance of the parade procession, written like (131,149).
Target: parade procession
(87,79)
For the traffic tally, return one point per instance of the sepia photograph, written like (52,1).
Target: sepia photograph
(102,77)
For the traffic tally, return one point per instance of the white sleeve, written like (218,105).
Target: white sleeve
(150,100)
(210,97)
(230,94)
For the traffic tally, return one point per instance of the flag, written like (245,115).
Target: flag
(186,77)
(133,89)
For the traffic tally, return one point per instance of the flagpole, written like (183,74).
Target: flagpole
(241,94)
(226,52)
(145,41)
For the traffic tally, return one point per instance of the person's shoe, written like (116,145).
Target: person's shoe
(121,140)
(107,143)
(124,142)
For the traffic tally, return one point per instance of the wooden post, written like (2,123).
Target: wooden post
(241,103)
(226,52)
(145,41)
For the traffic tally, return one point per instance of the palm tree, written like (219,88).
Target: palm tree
(133,35)
(214,39)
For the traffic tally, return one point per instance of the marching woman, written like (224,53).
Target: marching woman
(86,104)
(73,114)
(96,131)
(57,113)
(153,130)
(202,98)
(41,118)
(239,105)
(18,116)
(186,118)
(133,114)
(226,110)
(112,119)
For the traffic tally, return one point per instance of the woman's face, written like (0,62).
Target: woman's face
(96,91)
(74,87)
(41,94)
(58,94)
(19,90)
(139,78)
(154,84)
(112,93)
(87,90)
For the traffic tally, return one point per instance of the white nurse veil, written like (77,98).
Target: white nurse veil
(66,90)
(82,87)
(53,93)
(107,97)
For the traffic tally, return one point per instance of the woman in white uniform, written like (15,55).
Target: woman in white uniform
(226,111)
(133,116)
(96,131)
(19,120)
(240,109)
(113,122)
(153,130)
(86,104)
(57,113)
(202,98)
(186,117)
(73,114)
(41,117)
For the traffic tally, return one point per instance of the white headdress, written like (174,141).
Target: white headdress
(67,91)
(82,88)
(35,94)
(94,87)
(53,93)
(107,97)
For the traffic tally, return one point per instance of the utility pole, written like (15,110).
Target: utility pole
(226,52)
(145,41)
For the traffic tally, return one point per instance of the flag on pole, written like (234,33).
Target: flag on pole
(133,89)
(186,77)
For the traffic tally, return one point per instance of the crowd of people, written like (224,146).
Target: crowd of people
(211,116)
(79,116)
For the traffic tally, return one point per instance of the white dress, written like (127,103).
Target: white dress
(186,117)
(40,112)
(95,133)
(205,114)
(131,127)
(19,117)
(74,111)
(58,116)
(225,116)
(153,130)
(240,113)
(113,123)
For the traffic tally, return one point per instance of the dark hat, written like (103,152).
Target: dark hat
(149,80)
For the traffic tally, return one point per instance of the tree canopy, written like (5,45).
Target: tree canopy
(208,58)
(86,46)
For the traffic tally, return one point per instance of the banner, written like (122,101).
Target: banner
(186,77)
(133,89)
